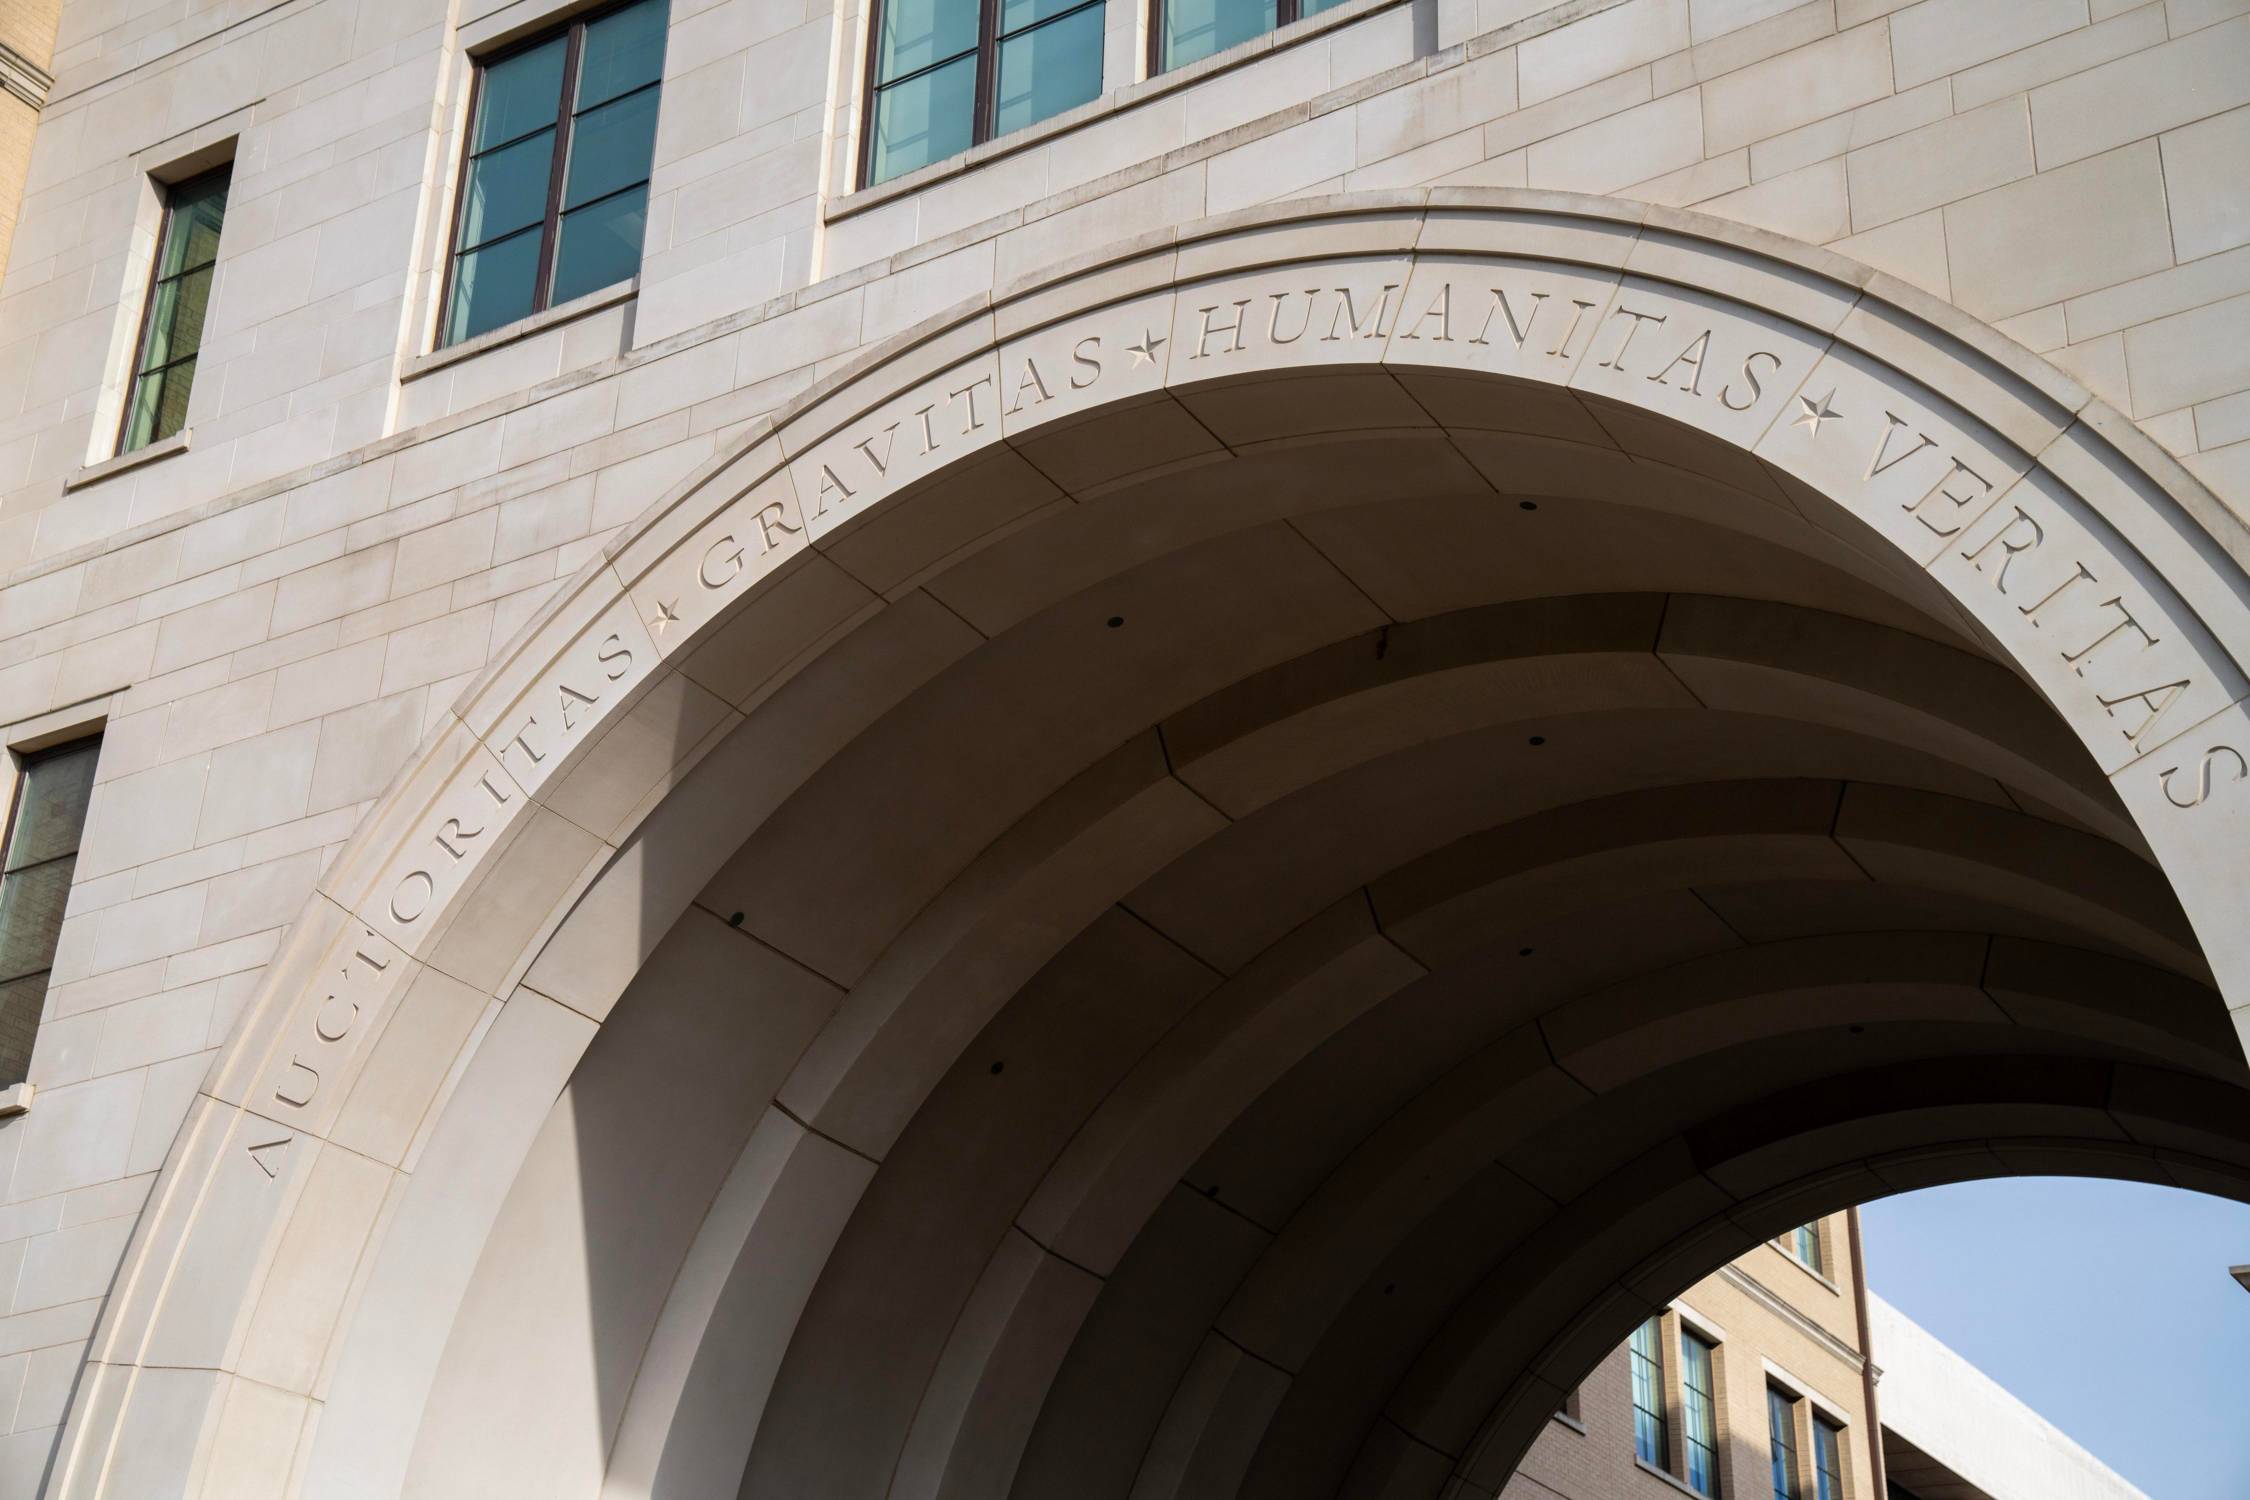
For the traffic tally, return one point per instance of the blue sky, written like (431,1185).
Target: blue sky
(2104,1306)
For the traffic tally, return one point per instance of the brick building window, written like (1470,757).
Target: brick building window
(1649,1437)
(1699,1411)
(1781,1424)
(1185,31)
(1828,1459)
(1804,1243)
(45,821)
(554,181)
(179,297)
(946,74)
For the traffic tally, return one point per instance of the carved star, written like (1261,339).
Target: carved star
(667,613)
(1144,352)
(1816,412)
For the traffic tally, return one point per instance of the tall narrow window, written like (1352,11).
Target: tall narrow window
(1804,1243)
(41,851)
(1186,31)
(1781,1417)
(946,74)
(554,190)
(1828,1458)
(179,295)
(1649,1438)
(1700,1413)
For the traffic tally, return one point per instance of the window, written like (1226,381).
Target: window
(1649,1438)
(1804,1243)
(1187,31)
(1828,1461)
(554,186)
(946,74)
(179,296)
(42,837)
(1781,1417)
(1700,1413)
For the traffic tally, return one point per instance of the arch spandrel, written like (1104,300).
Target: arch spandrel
(2088,573)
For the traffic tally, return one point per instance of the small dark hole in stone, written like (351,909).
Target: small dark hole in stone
(735,920)
(1859,1031)
(1527,505)
(1523,953)
(1390,1288)
(996,1067)
(1539,739)
(1115,621)
(1212,1191)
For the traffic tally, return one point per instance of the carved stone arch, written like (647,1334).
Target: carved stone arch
(457,969)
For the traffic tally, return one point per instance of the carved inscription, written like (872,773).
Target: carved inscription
(345,995)
(2097,629)
(2220,763)
(266,1155)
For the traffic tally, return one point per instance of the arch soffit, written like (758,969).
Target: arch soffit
(2114,582)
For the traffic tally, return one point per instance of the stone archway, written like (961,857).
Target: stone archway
(1377,541)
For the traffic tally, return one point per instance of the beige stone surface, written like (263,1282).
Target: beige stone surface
(899,736)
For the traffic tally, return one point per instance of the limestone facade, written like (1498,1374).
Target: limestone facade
(590,604)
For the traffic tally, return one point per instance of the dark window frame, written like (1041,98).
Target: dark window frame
(985,109)
(22,762)
(1781,1442)
(1828,1439)
(565,127)
(140,370)
(1656,1418)
(1809,1234)
(1286,13)
(1692,1341)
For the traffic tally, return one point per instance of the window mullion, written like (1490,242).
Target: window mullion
(566,126)
(988,71)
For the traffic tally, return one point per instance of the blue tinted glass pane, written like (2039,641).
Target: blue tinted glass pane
(1195,29)
(1648,1394)
(1782,1433)
(600,246)
(520,94)
(623,50)
(610,148)
(506,190)
(1315,7)
(1015,15)
(917,33)
(924,119)
(492,286)
(1048,70)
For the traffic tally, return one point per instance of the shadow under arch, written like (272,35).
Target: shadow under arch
(1699,508)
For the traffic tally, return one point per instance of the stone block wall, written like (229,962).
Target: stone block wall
(268,620)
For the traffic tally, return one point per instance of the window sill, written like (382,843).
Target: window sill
(15,1099)
(1570,1422)
(610,296)
(147,453)
(1669,1478)
(1115,101)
